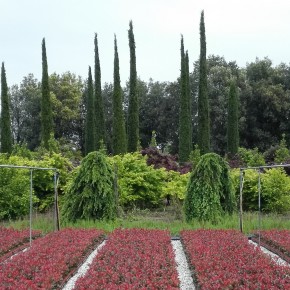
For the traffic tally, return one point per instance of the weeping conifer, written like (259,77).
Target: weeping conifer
(5,129)
(203,106)
(184,110)
(233,121)
(90,117)
(99,104)
(119,133)
(46,110)
(133,109)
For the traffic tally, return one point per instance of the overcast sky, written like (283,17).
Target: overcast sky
(239,30)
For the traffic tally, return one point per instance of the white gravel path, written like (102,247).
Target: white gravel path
(275,257)
(184,274)
(83,269)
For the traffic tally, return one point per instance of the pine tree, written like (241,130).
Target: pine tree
(233,122)
(90,128)
(133,109)
(99,104)
(203,106)
(184,110)
(5,129)
(119,133)
(46,110)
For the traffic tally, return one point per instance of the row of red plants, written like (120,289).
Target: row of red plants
(223,259)
(12,240)
(133,259)
(49,261)
(277,241)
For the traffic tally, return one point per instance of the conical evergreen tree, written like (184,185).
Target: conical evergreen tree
(46,110)
(90,128)
(233,120)
(99,104)
(133,109)
(119,132)
(184,110)
(5,129)
(189,100)
(203,106)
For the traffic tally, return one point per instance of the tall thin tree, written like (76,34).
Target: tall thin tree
(189,100)
(90,122)
(203,104)
(119,132)
(233,120)
(46,110)
(184,110)
(5,129)
(99,104)
(133,108)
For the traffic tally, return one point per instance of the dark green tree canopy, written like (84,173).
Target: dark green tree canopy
(91,194)
(5,125)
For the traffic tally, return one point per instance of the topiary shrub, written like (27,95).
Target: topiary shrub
(209,193)
(90,195)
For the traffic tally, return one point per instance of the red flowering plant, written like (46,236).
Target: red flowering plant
(133,259)
(49,261)
(223,259)
(277,241)
(13,240)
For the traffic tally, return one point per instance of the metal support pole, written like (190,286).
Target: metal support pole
(30,219)
(259,205)
(241,199)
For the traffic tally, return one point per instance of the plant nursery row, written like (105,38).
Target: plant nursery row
(141,259)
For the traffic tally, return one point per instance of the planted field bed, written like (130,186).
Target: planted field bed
(223,259)
(133,259)
(13,241)
(277,241)
(50,260)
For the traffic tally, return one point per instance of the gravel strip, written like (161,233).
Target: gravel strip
(184,274)
(275,257)
(83,268)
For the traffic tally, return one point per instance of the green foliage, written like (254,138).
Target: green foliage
(133,107)
(203,106)
(233,121)
(90,129)
(209,193)
(275,190)
(282,154)
(195,156)
(46,110)
(90,194)
(251,157)
(153,142)
(119,133)
(5,122)
(140,185)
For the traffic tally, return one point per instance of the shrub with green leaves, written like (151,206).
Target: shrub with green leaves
(90,194)
(209,193)
(139,185)
(251,157)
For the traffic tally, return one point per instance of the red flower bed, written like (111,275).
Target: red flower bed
(223,259)
(277,241)
(49,261)
(133,259)
(11,239)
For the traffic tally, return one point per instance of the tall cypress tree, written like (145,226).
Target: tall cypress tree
(119,133)
(233,120)
(203,106)
(184,109)
(133,109)
(189,100)
(99,104)
(90,128)
(5,129)
(46,110)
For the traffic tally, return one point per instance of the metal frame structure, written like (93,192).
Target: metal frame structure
(242,173)
(55,180)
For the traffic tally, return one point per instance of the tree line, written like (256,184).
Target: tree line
(217,106)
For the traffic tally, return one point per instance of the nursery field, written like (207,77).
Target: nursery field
(141,259)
